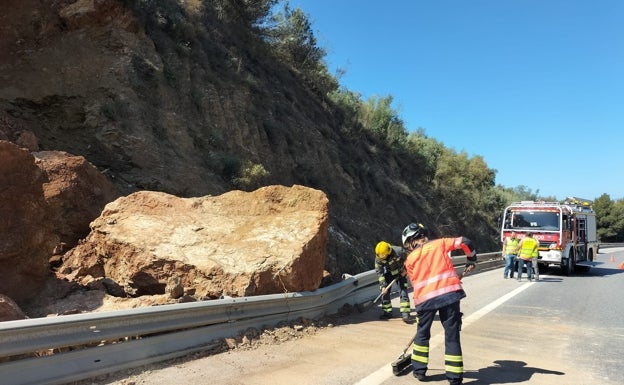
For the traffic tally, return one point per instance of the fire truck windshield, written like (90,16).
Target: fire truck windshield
(534,220)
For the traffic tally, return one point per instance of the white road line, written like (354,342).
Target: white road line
(385,372)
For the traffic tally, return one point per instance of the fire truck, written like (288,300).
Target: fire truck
(566,231)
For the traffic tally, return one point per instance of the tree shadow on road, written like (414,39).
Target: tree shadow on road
(505,372)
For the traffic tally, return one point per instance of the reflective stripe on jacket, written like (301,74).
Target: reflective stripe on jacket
(431,270)
(392,265)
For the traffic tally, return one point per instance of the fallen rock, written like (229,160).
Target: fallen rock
(76,192)
(47,201)
(27,237)
(272,240)
(9,310)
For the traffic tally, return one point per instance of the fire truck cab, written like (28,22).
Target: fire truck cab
(566,231)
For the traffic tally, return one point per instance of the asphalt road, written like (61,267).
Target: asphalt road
(560,330)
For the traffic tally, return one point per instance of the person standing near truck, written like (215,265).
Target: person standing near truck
(526,249)
(534,260)
(510,244)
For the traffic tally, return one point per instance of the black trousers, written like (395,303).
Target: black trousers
(450,316)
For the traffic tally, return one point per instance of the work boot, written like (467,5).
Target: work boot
(407,318)
(385,315)
(456,382)
(420,376)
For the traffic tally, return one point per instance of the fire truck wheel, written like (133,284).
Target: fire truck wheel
(569,264)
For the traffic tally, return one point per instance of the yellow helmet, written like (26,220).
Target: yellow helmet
(383,249)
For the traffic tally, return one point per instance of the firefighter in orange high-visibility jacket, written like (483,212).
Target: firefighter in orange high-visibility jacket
(437,289)
(389,267)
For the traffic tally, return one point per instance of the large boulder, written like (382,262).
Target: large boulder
(47,201)
(75,191)
(271,240)
(26,235)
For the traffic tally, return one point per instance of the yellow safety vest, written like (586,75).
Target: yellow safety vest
(511,245)
(529,245)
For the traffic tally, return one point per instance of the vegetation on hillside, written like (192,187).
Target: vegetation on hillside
(610,216)
(463,182)
(461,187)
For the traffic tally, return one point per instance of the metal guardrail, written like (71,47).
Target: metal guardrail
(100,343)
(609,245)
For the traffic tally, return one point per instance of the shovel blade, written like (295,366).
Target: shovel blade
(401,364)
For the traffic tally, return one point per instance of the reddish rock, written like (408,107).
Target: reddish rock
(76,192)
(26,234)
(272,240)
(46,205)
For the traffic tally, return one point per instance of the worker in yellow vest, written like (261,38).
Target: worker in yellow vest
(526,249)
(510,244)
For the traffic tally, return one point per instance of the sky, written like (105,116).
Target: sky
(535,87)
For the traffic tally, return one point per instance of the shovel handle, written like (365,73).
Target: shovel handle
(385,289)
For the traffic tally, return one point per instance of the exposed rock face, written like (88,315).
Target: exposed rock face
(46,205)
(170,96)
(268,241)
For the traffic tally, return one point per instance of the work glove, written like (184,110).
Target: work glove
(470,266)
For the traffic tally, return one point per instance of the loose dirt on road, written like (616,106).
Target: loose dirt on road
(251,340)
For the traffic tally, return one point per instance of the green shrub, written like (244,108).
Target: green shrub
(250,176)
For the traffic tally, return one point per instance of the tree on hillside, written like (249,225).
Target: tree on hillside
(379,117)
(462,178)
(290,34)
(349,104)
(251,13)
(465,196)
(610,218)
(429,149)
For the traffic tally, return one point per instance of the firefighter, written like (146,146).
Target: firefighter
(389,266)
(437,289)
(526,249)
(510,244)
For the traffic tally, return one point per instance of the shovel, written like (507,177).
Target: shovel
(367,305)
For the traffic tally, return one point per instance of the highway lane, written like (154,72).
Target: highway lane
(561,330)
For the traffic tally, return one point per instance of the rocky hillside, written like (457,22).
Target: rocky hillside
(165,96)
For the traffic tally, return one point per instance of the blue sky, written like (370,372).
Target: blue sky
(535,87)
